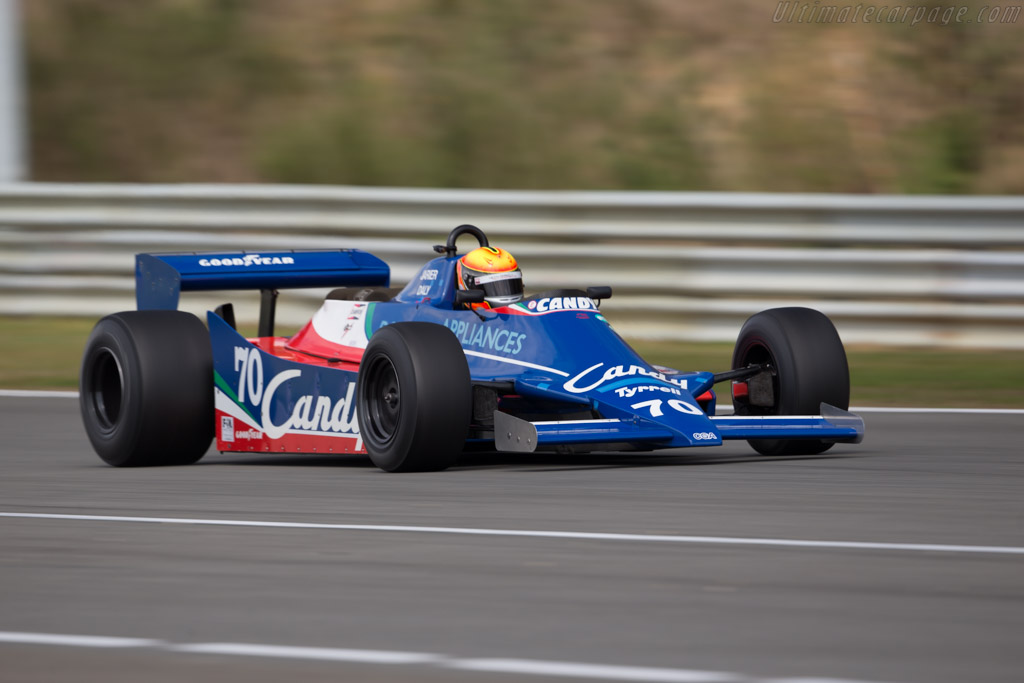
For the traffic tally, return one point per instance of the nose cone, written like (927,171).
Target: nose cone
(637,393)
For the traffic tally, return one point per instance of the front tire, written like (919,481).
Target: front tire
(807,368)
(414,398)
(146,389)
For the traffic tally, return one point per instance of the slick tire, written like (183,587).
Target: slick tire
(414,399)
(808,368)
(146,389)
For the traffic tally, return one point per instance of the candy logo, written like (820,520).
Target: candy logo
(310,413)
(325,415)
(563,303)
(609,375)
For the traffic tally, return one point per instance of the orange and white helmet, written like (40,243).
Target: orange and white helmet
(493,270)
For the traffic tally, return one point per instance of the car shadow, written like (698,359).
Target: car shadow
(527,462)
(553,462)
(215,459)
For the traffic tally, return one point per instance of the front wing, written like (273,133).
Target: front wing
(517,435)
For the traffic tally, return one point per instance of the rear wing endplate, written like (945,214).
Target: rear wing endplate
(160,278)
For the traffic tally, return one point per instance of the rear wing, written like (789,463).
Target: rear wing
(160,278)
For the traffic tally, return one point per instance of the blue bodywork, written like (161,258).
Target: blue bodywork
(562,375)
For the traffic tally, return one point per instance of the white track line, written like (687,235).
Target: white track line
(314,653)
(576,535)
(596,671)
(522,667)
(723,410)
(75,640)
(29,393)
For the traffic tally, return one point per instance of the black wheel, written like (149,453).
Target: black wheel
(807,368)
(414,399)
(146,388)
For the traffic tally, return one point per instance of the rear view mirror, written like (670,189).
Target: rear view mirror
(469,296)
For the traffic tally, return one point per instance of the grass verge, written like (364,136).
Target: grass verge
(44,353)
(888,376)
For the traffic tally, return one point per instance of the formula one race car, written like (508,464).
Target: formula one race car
(457,358)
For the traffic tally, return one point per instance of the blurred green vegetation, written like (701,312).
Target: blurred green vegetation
(888,376)
(587,94)
(44,353)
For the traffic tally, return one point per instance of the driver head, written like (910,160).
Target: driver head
(494,271)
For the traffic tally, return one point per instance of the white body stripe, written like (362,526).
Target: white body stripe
(512,361)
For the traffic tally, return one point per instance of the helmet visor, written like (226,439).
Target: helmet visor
(501,288)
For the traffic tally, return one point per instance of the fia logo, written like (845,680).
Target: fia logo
(227,428)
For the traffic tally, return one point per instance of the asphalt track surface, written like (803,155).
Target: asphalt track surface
(684,567)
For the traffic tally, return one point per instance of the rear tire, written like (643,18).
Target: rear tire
(809,368)
(414,398)
(146,389)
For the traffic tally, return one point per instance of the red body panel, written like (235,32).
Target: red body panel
(247,439)
(331,355)
(308,343)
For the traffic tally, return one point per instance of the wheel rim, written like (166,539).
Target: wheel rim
(755,354)
(106,389)
(382,401)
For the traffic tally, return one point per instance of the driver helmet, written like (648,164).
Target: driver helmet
(493,270)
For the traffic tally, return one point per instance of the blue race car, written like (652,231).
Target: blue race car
(459,357)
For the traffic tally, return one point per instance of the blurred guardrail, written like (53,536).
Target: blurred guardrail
(933,271)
